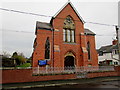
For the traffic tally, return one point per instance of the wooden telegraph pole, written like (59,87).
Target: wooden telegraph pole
(118,43)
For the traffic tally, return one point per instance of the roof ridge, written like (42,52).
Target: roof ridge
(69,2)
(42,22)
(106,45)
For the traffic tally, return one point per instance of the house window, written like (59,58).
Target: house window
(69,30)
(47,49)
(115,63)
(111,62)
(115,51)
(101,53)
(88,49)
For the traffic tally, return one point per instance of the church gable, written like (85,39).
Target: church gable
(68,7)
(64,40)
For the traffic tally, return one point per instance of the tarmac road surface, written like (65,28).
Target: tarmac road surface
(104,82)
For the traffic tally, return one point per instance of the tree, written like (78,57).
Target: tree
(29,59)
(5,54)
(14,54)
(19,58)
(14,58)
(6,60)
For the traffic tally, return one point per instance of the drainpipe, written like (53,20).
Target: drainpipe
(53,46)
(53,42)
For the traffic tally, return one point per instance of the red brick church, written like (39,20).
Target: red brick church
(64,41)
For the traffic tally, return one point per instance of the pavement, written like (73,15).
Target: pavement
(59,83)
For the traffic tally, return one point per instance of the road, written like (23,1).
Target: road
(106,82)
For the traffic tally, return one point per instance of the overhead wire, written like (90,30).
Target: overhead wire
(35,14)
(102,24)
(30,13)
(43,33)
(3,30)
(23,12)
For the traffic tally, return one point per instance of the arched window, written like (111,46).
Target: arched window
(88,49)
(69,30)
(47,49)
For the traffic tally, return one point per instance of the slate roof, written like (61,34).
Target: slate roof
(43,25)
(48,26)
(107,49)
(88,32)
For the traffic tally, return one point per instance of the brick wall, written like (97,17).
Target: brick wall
(25,75)
(39,51)
(93,53)
(117,68)
(102,74)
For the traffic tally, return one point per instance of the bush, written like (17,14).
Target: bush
(49,74)
(25,65)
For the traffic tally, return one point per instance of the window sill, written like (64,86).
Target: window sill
(73,43)
(89,60)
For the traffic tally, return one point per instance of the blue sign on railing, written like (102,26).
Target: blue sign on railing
(42,62)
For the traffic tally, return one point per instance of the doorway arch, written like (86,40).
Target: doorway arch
(69,60)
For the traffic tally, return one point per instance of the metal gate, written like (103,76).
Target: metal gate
(81,74)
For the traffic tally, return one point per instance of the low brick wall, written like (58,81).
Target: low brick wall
(25,75)
(102,74)
(117,69)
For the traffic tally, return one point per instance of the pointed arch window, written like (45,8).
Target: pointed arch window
(47,49)
(88,49)
(69,30)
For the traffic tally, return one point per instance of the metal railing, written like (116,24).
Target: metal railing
(70,70)
(5,68)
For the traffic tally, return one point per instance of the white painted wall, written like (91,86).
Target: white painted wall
(108,56)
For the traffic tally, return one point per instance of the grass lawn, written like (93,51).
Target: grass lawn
(25,65)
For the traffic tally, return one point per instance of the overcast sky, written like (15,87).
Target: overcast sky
(17,29)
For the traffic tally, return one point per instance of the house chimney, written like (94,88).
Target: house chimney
(114,42)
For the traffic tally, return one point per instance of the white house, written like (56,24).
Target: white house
(108,55)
